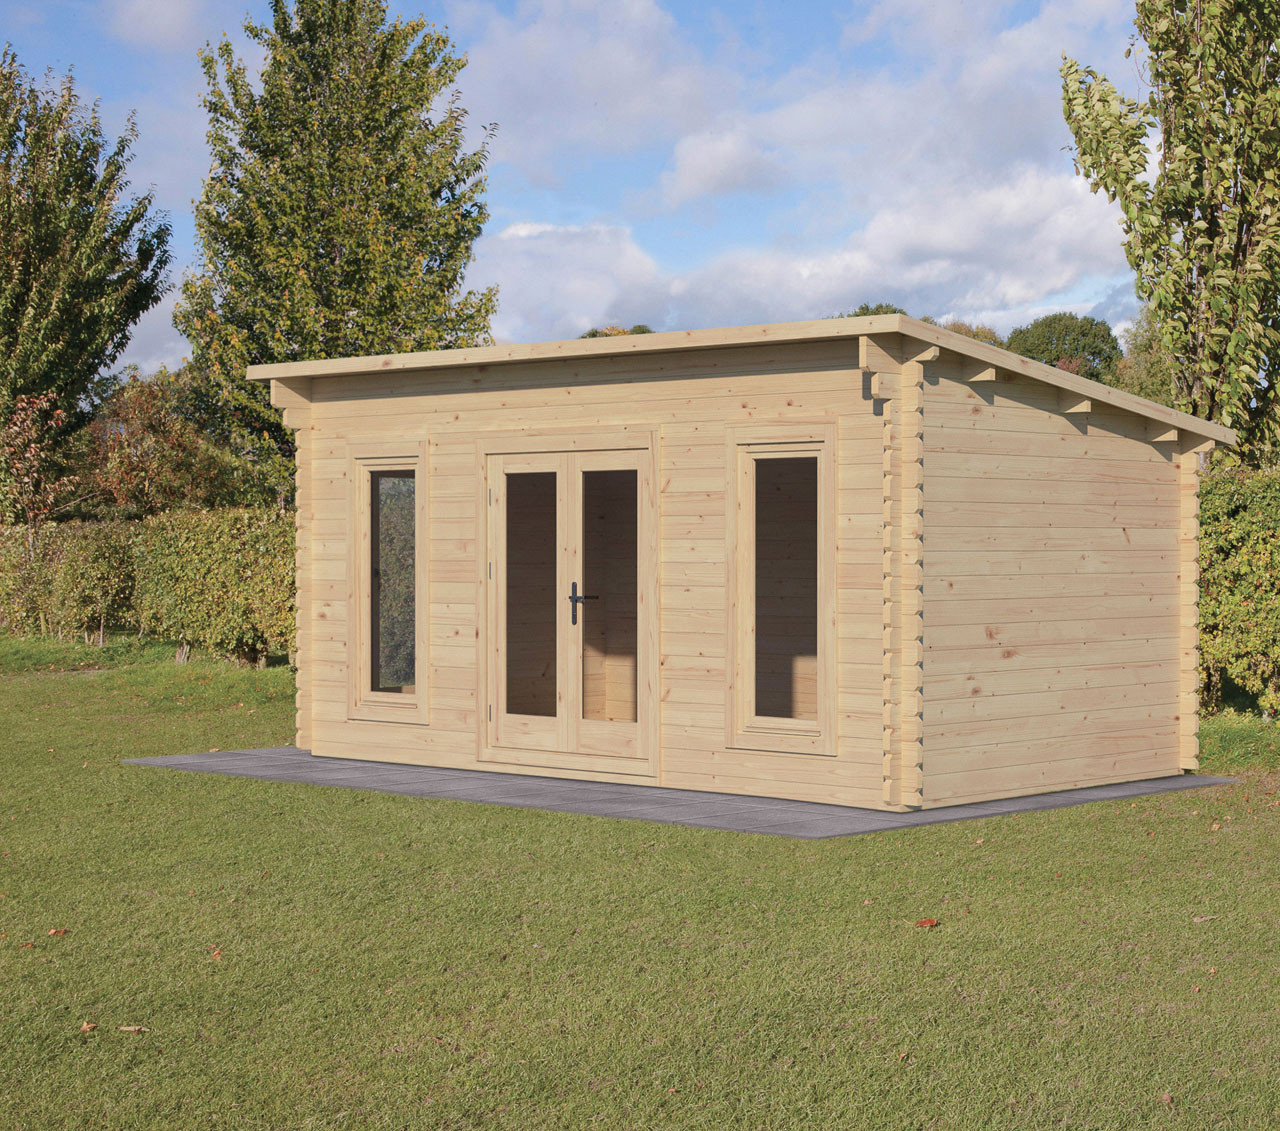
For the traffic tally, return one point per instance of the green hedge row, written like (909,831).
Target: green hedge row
(220,580)
(1240,586)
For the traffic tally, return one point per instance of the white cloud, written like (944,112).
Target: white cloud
(717,163)
(989,254)
(155,342)
(171,25)
(595,76)
(921,162)
(559,281)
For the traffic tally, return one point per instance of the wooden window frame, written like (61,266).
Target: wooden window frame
(745,730)
(363,703)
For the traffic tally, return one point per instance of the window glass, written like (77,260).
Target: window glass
(392,543)
(786,588)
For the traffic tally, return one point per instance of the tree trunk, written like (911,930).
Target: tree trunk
(183,653)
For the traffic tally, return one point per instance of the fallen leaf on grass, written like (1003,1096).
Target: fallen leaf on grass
(1166,1098)
(216,956)
(867,902)
(1204,918)
(59,931)
(88,1027)
(927,923)
(135,1029)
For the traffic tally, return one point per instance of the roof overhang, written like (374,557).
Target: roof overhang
(779,333)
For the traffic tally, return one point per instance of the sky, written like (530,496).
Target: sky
(694,164)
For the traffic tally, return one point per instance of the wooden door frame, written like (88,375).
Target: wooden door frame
(643,444)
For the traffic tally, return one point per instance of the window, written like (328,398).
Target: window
(387,528)
(786,587)
(392,603)
(782,590)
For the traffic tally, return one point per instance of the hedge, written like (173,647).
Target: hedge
(81,582)
(220,580)
(1240,586)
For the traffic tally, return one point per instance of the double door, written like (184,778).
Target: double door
(572,608)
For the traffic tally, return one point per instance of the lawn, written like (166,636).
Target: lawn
(313,958)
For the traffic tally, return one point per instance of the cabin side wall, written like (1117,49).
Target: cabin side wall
(1054,609)
(689,403)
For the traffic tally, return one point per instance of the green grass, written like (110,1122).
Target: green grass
(1234,741)
(324,958)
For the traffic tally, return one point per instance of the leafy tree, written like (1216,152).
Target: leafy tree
(866,309)
(612,331)
(1203,233)
(145,455)
(80,260)
(1146,369)
(1086,343)
(33,488)
(978,332)
(339,213)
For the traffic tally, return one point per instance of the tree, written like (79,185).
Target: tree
(866,309)
(339,213)
(1086,344)
(979,332)
(1203,233)
(33,487)
(1146,369)
(612,331)
(80,260)
(145,455)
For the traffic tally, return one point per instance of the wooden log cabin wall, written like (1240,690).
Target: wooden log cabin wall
(861,561)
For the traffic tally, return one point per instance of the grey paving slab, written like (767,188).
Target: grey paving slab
(725,811)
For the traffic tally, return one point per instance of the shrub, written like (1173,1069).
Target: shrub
(19,589)
(81,580)
(1240,585)
(221,580)
(89,577)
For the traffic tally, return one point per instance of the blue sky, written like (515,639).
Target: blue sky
(700,164)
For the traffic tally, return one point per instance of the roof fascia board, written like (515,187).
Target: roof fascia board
(773,333)
(619,346)
(1068,382)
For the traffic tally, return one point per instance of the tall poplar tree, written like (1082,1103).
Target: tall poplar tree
(339,213)
(1202,230)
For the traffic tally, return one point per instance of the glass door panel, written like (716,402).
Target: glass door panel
(608,617)
(604,644)
(530,578)
(528,575)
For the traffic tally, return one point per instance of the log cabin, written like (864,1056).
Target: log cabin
(864,561)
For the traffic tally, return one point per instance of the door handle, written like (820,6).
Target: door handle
(575,599)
